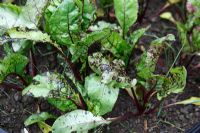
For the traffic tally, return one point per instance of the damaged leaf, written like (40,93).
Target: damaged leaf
(13,63)
(77,121)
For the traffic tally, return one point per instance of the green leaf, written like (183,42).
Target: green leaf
(77,121)
(43,85)
(36,36)
(39,117)
(148,60)
(8,15)
(55,88)
(13,63)
(196,4)
(112,71)
(24,37)
(27,16)
(88,14)
(126,12)
(175,83)
(100,25)
(101,97)
(32,12)
(158,42)
(44,127)
(62,22)
(136,35)
(182,31)
(22,46)
(62,104)
(117,46)
(192,100)
(80,50)
(196,39)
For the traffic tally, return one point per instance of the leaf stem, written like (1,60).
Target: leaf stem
(11,85)
(175,60)
(137,104)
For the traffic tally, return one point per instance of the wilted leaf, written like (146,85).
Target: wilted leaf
(168,16)
(148,61)
(101,97)
(192,100)
(13,63)
(126,12)
(77,121)
(175,83)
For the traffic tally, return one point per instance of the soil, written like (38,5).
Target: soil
(15,108)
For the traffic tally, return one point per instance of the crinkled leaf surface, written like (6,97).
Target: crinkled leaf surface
(43,85)
(175,83)
(148,61)
(32,12)
(100,25)
(126,12)
(77,121)
(55,88)
(88,13)
(13,63)
(62,22)
(39,117)
(112,71)
(102,97)
(27,16)
(62,104)
(80,50)
(116,45)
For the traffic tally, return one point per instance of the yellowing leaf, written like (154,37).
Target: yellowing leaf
(174,1)
(168,16)
(192,100)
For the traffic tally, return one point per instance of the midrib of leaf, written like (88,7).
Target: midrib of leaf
(69,32)
(124,19)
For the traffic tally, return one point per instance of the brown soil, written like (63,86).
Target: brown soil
(15,108)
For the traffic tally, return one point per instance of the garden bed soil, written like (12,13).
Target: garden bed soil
(15,108)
